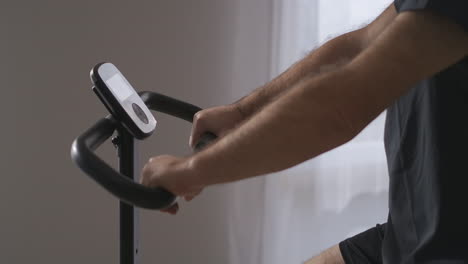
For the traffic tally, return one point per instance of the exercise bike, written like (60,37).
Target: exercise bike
(131,118)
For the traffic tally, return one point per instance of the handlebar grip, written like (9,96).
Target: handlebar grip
(125,189)
(205,140)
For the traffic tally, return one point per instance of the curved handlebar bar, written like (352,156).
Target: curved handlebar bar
(82,153)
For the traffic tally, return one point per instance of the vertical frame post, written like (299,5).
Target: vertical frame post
(129,240)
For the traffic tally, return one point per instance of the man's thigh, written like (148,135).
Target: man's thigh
(329,256)
(365,247)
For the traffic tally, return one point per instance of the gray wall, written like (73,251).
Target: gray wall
(207,52)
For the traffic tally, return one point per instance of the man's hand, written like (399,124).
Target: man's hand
(217,120)
(173,174)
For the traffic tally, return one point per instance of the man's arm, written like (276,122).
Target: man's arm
(333,54)
(323,112)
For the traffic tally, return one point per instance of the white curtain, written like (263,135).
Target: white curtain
(293,215)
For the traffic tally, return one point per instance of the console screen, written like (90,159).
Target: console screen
(119,86)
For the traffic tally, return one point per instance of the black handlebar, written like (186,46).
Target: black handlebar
(125,189)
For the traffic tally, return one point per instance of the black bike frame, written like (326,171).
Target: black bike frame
(123,184)
(129,224)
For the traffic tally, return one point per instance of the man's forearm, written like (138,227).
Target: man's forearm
(278,136)
(330,56)
(323,112)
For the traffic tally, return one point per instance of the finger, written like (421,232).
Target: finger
(144,174)
(192,195)
(171,210)
(189,198)
(197,129)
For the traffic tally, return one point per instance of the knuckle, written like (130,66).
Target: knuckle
(200,116)
(145,171)
(143,180)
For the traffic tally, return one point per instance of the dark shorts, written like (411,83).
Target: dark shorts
(364,248)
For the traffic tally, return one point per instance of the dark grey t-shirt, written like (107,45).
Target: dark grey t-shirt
(426,141)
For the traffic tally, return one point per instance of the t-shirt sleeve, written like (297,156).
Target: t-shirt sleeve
(457,10)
